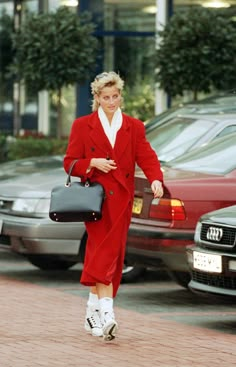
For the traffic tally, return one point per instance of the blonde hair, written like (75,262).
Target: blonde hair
(105,79)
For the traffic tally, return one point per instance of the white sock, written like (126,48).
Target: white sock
(93,300)
(106,304)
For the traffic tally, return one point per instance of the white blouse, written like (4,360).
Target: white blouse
(110,129)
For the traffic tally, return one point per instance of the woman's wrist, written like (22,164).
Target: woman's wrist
(92,163)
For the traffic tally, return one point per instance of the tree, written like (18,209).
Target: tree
(54,50)
(6,29)
(196,52)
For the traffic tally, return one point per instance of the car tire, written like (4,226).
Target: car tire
(180,277)
(50,262)
(131,274)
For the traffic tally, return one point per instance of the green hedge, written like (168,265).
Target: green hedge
(18,148)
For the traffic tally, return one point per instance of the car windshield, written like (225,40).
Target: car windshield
(29,165)
(217,157)
(177,136)
(222,99)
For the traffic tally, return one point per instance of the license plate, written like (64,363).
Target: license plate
(137,205)
(207,262)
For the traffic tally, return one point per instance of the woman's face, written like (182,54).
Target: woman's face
(109,99)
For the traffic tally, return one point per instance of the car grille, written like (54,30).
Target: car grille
(219,281)
(227,240)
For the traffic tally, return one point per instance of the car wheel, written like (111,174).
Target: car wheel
(50,262)
(132,273)
(180,277)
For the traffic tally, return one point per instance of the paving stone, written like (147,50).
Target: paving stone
(41,326)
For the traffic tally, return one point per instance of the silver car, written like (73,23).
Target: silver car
(25,227)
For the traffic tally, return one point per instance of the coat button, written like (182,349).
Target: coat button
(111,192)
(127,175)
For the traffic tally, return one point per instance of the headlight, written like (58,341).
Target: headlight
(37,206)
(197,232)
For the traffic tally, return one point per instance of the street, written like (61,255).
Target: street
(167,325)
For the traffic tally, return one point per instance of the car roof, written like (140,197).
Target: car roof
(209,116)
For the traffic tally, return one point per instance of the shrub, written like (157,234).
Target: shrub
(139,101)
(29,147)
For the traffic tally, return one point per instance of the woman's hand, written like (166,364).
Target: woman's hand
(103,164)
(157,189)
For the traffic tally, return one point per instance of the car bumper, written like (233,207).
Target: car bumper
(40,236)
(222,284)
(153,246)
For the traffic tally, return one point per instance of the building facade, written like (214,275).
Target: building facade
(126,30)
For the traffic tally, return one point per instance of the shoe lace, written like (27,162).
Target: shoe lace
(94,319)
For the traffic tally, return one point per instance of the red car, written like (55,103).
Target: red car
(201,181)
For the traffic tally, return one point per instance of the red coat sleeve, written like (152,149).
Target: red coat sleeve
(76,150)
(146,156)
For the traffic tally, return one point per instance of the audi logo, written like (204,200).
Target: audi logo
(214,234)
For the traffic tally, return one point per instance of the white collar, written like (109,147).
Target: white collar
(112,128)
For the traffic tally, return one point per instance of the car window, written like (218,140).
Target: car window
(166,116)
(227,130)
(177,136)
(29,165)
(217,157)
(161,117)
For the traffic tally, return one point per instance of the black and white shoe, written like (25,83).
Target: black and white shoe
(93,323)
(109,325)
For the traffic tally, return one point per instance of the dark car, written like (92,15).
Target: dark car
(212,259)
(196,183)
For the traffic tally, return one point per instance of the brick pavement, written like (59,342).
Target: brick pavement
(41,326)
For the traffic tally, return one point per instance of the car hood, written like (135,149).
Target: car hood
(36,185)
(222,216)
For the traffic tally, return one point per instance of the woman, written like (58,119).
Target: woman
(108,144)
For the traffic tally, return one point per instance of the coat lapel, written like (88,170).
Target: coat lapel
(122,138)
(98,135)
(101,141)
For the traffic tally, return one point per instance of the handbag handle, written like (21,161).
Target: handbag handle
(68,181)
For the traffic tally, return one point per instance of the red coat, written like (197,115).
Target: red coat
(105,249)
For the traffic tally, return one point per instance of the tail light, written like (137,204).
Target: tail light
(167,209)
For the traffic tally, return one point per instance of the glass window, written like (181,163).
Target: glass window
(177,136)
(130,48)
(228,130)
(217,157)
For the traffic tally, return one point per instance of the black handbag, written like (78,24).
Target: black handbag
(76,201)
